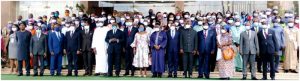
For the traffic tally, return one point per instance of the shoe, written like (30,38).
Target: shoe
(244,78)
(264,79)
(175,76)
(286,71)
(276,72)
(76,75)
(69,74)
(189,76)
(207,77)
(96,74)
(58,74)
(85,74)
(272,78)
(185,76)
(27,74)
(154,75)
(117,75)
(41,74)
(126,74)
(200,76)
(132,75)
(259,71)
(254,78)
(21,74)
(169,76)
(35,74)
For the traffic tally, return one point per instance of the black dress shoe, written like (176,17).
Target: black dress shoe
(96,74)
(207,77)
(286,71)
(254,78)
(58,74)
(69,74)
(272,78)
(126,74)
(200,76)
(175,76)
(244,78)
(20,74)
(35,74)
(264,79)
(169,76)
(27,74)
(76,75)
(189,76)
(132,75)
(185,76)
(41,74)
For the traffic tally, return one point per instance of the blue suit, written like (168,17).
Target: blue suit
(72,44)
(172,50)
(55,45)
(23,45)
(206,45)
(129,37)
(268,45)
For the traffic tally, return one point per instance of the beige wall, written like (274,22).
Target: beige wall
(8,12)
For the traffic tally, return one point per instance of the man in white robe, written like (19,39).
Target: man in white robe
(99,45)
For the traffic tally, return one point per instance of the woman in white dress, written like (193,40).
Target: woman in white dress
(141,50)
(99,46)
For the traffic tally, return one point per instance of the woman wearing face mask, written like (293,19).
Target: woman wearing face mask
(226,67)
(141,50)
(199,26)
(99,47)
(12,47)
(236,32)
(292,40)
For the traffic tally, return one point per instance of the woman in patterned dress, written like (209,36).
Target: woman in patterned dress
(141,50)
(226,67)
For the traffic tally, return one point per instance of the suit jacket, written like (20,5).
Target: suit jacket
(73,42)
(249,44)
(188,40)
(129,37)
(114,45)
(269,44)
(86,40)
(207,44)
(38,45)
(173,43)
(55,43)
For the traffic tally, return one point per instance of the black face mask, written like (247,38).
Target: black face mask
(150,13)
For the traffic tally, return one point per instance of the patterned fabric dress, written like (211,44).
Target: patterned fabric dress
(141,56)
(226,67)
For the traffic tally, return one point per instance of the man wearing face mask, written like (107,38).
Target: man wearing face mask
(129,33)
(172,50)
(292,45)
(55,45)
(158,42)
(249,48)
(86,49)
(236,31)
(65,28)
(199,26)
(279,32)
(207,47)
(100,48)
(38,48)
(188,47)
(72,44)
(268,48)
(30,19)
(114,38)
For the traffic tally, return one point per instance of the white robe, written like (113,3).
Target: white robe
(101,48)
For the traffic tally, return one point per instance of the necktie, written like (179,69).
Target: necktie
(266,34)
(129,31)
(173,33)
(86,31)
(204,33)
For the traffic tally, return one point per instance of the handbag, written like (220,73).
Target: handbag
(228,53)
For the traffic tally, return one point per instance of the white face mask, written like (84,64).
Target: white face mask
(248,27)
(145,23)
(192,18)
(67,25)
(108,17)
(187,26)
(63,22)
(112,21)
(264,26)
(223,31)
(73,18)
(176,24)
(156,29)
(99,24)
(237,23)
(122,19)
(180,21)
(177,17)
(230,21)
(30,27)
(76,22)
(172,27)
(128,23)
(205,27)
(268,13)
(291,24)
(72,28)
(14,29)
(86,27)
(200,22)
(39,24)
(297,21)
(227,15)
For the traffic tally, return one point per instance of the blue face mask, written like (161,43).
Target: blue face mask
(56,28)
(114,27)
(141,29)
(56,15)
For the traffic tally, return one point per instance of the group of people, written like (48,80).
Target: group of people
(159,41)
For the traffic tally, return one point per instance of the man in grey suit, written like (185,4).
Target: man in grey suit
(249,48)
(188,47)
(38,49)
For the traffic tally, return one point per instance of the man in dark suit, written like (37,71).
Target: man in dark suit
(23,38)
(55,44)
(206,47)
(38,49)
(129,33)
(86,44)
(268,48)
(172,50)
(114,38)
(188,47)
(72,44)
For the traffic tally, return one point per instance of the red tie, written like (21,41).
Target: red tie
(129,32)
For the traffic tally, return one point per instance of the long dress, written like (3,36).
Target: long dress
(291,43)
(226,67)
(12,47)
(141,56)
(101,46)
(157,61)
(236,32)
